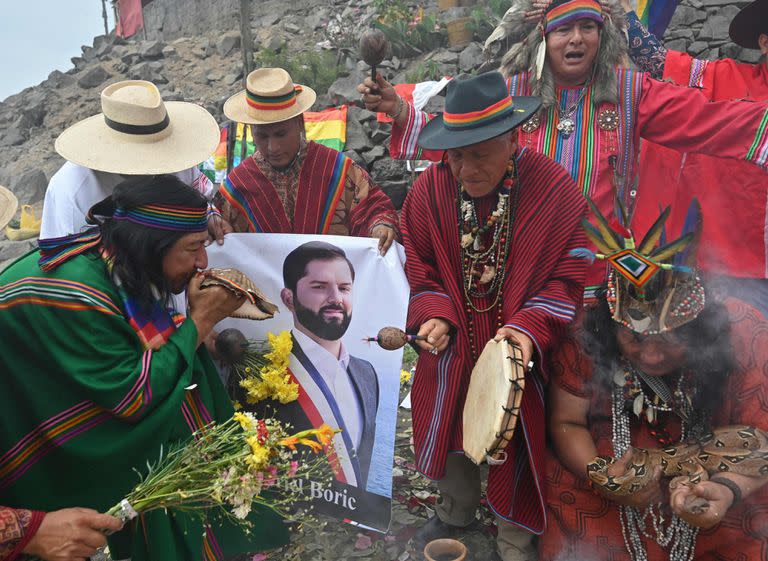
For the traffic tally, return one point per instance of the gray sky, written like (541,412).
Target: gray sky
(39,36)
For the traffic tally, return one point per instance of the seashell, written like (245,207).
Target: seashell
(637,405)
(256,305)
(489,271)
(466,240)
(618,378)
(650,414)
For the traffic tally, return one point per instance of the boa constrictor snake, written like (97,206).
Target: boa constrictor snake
(736,449)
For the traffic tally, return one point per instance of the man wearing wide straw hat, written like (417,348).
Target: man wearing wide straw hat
(487,237)
(8,205)
(137,133)
(291,185)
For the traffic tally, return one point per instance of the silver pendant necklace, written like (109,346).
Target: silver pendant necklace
(565,123)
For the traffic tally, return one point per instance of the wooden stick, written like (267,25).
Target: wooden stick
(104,15)
(246,43)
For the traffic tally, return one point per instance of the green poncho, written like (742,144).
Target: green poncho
(83,404)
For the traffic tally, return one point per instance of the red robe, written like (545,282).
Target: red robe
(541,292)
(584,525)
(333,196)
(602,153)
(734,194)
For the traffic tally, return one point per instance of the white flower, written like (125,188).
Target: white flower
(242,510)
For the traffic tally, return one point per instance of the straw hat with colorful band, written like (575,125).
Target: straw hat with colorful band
(563,12)
(8,205)
(137,133)
(747,26)
(270,97)
(476,109)
(162,217)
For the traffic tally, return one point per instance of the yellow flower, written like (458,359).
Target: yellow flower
(259,454)
(281,346)
(245,421)
(255,390)
(279,386)
(287,393)
(405,377)
(236,404)
(324,434)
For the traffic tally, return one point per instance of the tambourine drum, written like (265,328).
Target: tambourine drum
(493,402)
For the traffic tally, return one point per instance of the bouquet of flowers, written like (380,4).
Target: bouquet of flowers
(226,467)
(260,367)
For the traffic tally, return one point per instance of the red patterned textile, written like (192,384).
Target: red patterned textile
(585,526)
(733,194)
(17,527)
(326,194)
(540,294)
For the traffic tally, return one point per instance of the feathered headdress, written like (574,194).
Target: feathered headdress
(653,286)
(524,40)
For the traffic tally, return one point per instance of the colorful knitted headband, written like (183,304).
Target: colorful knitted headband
(161,217)
(568,12)
(459,121)
(272,103)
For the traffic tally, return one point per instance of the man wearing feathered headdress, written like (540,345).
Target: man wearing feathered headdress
(594,110)
(668,385)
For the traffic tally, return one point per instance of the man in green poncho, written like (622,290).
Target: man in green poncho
(98,373)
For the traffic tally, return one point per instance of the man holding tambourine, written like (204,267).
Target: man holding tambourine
(487,234)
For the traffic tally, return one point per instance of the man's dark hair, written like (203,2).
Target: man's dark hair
(707,340)
(138,251)
(295,264)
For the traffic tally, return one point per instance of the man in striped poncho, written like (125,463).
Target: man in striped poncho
(487,236)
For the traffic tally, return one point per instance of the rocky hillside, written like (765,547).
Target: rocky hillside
(192,50)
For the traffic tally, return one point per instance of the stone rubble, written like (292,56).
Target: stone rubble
(192,50)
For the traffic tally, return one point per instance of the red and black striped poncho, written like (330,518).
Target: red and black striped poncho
(541,293)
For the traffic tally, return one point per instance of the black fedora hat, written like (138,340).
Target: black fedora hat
(476,109)
(749,23)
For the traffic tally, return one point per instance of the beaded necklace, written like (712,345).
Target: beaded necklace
(678,537)
(484,265)
(663,399)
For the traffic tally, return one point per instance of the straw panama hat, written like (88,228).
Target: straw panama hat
(8,205)
(138,134)
(270,97)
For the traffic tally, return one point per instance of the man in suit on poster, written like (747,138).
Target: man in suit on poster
(336,388)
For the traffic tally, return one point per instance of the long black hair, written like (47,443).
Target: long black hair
(138,251)
(706,338)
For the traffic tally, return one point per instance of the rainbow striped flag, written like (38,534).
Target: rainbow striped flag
(328,127)
(656,15)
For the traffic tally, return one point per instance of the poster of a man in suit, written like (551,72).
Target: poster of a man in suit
(342,389)
(332,293)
